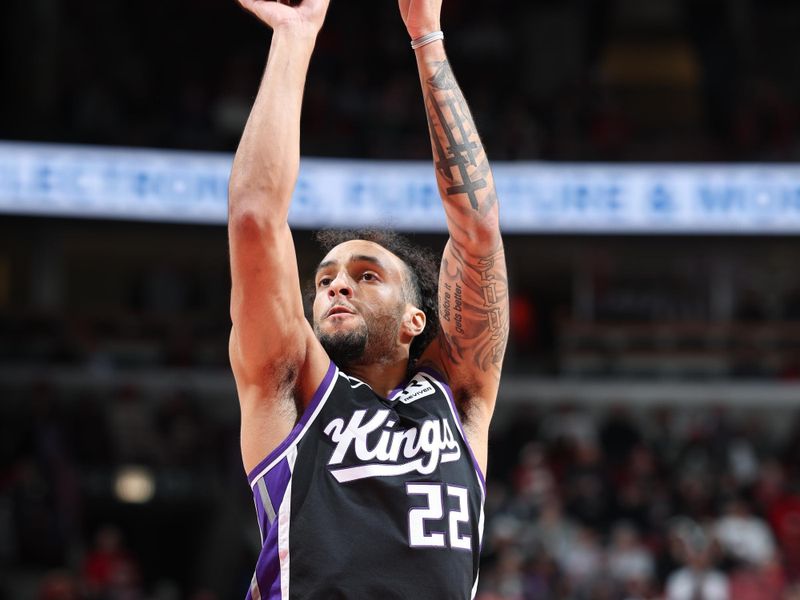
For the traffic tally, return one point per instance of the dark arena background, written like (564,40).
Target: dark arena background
(646,442)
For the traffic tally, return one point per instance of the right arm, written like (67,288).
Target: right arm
(275,357)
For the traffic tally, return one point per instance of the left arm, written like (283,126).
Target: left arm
(473,283)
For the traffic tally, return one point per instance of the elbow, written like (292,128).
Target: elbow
(255,222)
(250,220)
(487,234)
(479,238)
(250,207)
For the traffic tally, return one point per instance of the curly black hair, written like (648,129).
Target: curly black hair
(422,270)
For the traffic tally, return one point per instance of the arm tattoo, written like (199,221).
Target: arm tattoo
(474,294)
(473,284)
(459,155)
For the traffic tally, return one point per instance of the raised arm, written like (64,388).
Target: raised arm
(473,285)
(274,355)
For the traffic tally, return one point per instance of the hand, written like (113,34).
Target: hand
(421,16)
(307,16)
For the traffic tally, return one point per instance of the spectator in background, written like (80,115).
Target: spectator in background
(571,426)
(132,427)
(553,532)
(698,579)
(747,540)
(619,435)
(743,461)
(641,491)
(510,581)
(534,482)
(541,579)
(109,569)
(184,431)
(629,560)
(743,536)
(782,508)
(587,487)
(582,562)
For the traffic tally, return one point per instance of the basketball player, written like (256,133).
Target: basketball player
(364,434)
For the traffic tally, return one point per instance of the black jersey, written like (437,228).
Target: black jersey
(370,498)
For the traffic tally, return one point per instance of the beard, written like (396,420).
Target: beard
(345,347)
(373,341)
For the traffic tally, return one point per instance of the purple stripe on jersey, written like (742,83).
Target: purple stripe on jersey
(315,400)
(436,375)
(268,567)
(261,516)
(277,480)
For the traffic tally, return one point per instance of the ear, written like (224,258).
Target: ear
(414,321)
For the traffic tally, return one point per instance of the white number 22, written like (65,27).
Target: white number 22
(434,511)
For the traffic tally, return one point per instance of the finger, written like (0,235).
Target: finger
(251,5)
(315,4)
(267,11)
(314,8)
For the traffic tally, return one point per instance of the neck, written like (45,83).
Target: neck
(383,377)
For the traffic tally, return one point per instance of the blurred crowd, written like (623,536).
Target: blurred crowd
(75,526)
(585,503)
(109,571)
(680,505)
(702,80)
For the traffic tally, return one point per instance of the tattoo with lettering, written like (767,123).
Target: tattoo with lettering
(475,294)
(473,284)
(446,302)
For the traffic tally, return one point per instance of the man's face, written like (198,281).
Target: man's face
(359,303)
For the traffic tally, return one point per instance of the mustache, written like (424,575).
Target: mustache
(344,305)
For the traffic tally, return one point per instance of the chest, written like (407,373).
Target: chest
(361,435)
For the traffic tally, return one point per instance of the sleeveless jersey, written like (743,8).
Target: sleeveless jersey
(370,498)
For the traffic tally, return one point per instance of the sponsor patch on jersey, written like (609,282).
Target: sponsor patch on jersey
(417,388)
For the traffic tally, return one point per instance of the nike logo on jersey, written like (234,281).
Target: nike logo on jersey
(386,452)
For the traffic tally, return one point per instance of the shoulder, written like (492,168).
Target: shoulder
(465,390)
(467,399)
